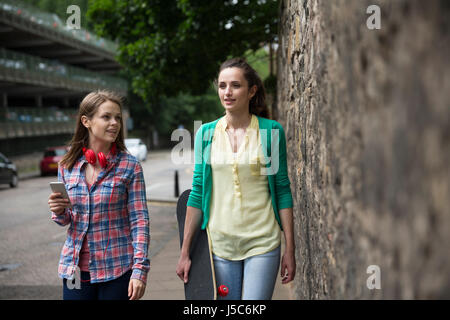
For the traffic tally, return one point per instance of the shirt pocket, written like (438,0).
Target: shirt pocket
(73,194)
(113,197)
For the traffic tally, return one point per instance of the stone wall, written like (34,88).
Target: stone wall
(366,115)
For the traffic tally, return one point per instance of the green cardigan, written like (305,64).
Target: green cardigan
(279,184)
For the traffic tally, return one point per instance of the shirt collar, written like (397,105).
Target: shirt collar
(222,123)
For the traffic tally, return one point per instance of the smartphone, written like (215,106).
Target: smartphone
(60,188)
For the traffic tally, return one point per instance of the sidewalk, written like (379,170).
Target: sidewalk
(163,283)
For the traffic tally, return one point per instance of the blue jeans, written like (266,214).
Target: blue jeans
(249,279)
(116,289)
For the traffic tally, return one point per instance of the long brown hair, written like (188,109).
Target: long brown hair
(88,107)
(257,105)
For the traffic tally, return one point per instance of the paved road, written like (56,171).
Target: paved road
(159,173)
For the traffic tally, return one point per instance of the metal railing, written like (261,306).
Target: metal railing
(24,68)
(53,22)
(17,122)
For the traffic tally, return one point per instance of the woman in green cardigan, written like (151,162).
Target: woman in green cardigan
(241,191)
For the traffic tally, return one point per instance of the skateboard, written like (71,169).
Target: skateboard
(202,283)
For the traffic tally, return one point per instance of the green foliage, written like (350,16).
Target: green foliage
(167,113)
(259,60)
(187,108)
(173,46)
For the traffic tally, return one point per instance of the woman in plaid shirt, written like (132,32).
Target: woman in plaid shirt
(108,234)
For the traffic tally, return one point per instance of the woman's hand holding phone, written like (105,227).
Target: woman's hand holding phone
(57,203)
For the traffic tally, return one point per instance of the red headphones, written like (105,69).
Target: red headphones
(92,159)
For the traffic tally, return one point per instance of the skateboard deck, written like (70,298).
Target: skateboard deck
(201,283)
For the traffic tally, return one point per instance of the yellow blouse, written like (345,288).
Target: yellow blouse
(242,221)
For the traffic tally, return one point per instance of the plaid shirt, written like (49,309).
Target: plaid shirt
(123,232)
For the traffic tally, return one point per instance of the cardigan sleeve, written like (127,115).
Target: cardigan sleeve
(282,183)
(195,197)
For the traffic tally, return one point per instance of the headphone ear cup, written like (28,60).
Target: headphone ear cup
(90,156)
(102,159)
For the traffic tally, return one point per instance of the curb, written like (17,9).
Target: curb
(171,200)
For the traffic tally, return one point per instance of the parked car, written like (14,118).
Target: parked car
(8,172)
(52,155)
(137,148)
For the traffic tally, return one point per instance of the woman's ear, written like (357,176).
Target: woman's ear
(85,121)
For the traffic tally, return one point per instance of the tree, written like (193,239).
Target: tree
(173,46)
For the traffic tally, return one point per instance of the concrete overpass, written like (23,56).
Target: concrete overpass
(42,34)
(45,70)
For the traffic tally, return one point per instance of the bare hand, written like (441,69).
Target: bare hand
(57,203)
(136,289)
(183,267)
(287,267)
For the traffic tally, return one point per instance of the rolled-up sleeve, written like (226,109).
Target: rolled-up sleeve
(64,218)
(139,224)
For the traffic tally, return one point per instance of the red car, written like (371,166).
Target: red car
(49,164)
